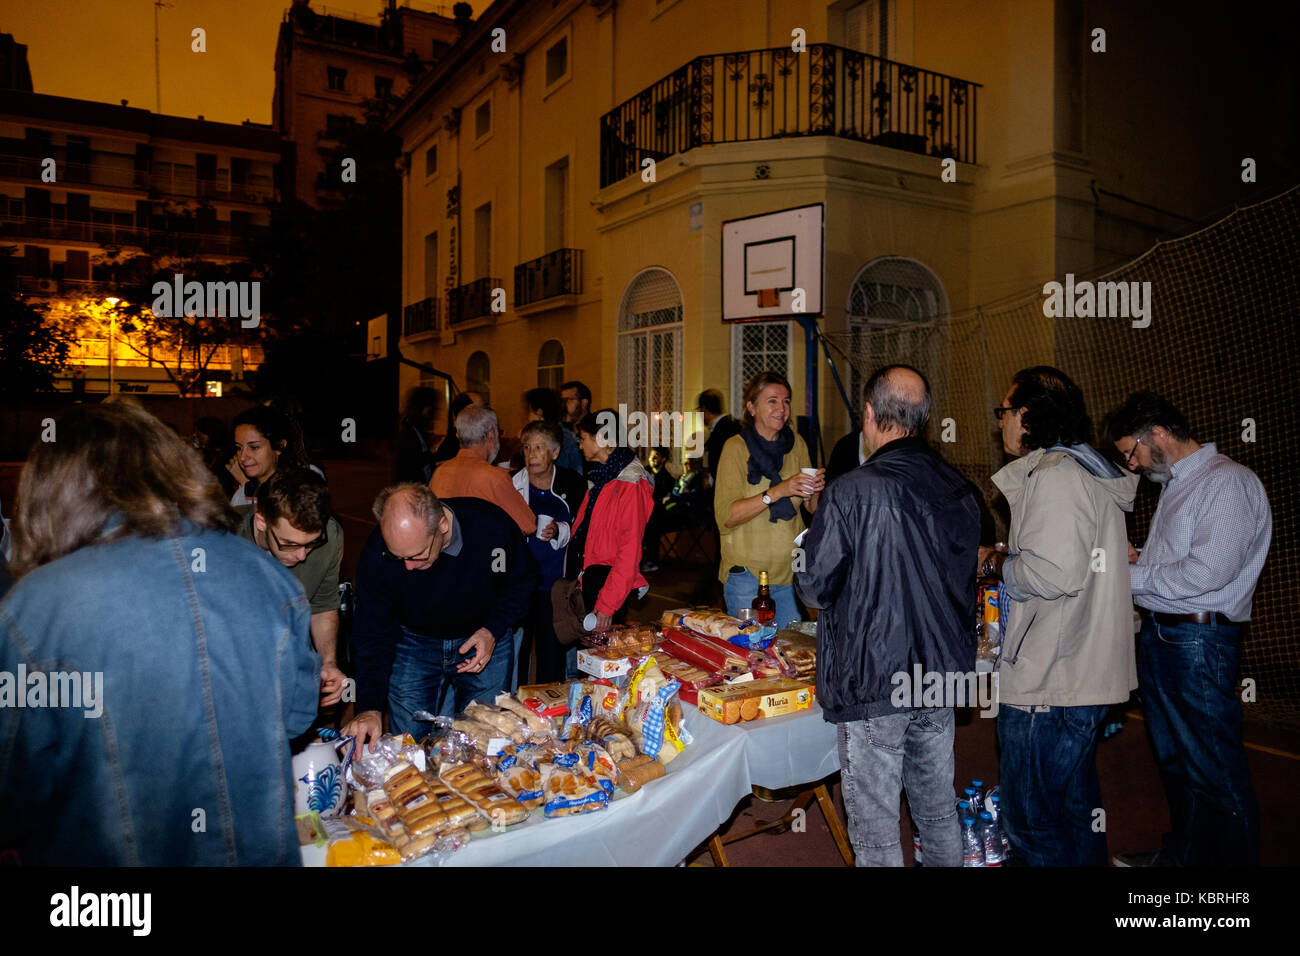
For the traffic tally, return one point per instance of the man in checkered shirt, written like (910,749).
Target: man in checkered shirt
(1193,583)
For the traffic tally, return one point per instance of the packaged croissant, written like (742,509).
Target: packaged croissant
(521,779)
(568,790)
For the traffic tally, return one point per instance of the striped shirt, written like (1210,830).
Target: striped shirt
(1208,539)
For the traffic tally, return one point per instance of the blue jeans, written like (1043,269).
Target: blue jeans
(515,638)
(424,671)
(1187,674)
(742,587)
(1049,786)
(912,750)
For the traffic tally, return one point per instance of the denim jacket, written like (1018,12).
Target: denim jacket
(196,654)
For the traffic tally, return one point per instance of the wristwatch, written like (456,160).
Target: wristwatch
(767,498)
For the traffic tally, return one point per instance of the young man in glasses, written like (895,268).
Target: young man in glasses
(291,521)
(1194,583)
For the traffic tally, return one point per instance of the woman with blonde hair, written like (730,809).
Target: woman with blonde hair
(760,488)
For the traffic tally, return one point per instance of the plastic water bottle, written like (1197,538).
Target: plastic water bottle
(963,809)
(972,849)
(991,840)
(977,799)
(995,808)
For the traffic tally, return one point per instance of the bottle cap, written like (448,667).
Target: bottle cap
(977,783)
(970,820)
(985,815)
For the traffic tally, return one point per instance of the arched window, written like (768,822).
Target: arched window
(478,375)
(650,343)
(891,292)
(550,365)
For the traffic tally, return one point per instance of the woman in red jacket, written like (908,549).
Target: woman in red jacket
(606,542)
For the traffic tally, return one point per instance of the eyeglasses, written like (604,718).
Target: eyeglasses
(999,412)
(291,546)
(424,556)
(1128,455)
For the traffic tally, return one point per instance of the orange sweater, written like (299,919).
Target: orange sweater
(469,476)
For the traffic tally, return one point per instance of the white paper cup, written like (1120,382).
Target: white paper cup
(544,522)
(810,472)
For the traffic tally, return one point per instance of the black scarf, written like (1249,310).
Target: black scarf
(765,458)
(599,476)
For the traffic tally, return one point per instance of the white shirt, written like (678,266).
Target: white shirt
(1208,539)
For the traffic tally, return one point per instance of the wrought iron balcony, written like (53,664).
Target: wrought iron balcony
(470,301)
(556,273)
(420,317)
(771,94)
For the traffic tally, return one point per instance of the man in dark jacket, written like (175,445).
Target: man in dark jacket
(891,559)
(439,585)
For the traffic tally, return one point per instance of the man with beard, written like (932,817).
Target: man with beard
(1194,583)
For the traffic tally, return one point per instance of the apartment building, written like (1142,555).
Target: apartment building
(526,151)
(331,68)
(87,186)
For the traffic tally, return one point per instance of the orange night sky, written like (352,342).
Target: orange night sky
(104,50)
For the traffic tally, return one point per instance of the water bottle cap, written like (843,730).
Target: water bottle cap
(970,790)
(985,815)
(977,783)
(996,798)
(970,820)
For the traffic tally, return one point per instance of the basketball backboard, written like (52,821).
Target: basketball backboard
(773,265)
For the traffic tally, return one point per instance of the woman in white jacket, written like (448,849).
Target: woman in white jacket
(551,492)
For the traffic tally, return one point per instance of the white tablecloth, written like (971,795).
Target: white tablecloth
(790,750)
(661,823)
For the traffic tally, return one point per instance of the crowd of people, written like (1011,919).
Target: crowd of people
(488,548)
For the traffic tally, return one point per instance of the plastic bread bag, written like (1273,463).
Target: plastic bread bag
(539,727)
(674,617)
(350,842)
(614,737)
(598,766)
(676,737)
(520,779)
(485,738)
(589,699)
(505,722)
(568,791)
(755,637)
(648,718)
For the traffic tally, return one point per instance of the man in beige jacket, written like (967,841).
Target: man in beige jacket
(1067,649)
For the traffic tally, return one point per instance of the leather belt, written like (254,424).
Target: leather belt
(1196,617)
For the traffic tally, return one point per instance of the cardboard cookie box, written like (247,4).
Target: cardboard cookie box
(754,700)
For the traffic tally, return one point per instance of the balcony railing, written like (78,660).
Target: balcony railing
(470,301)
(258,188)
(111,234)
(29,169)
(771,94)
(420,317)
(556,273)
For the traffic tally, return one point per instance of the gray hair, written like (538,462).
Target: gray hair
(548,430)
(474,423)
(416,500)
(893,405)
